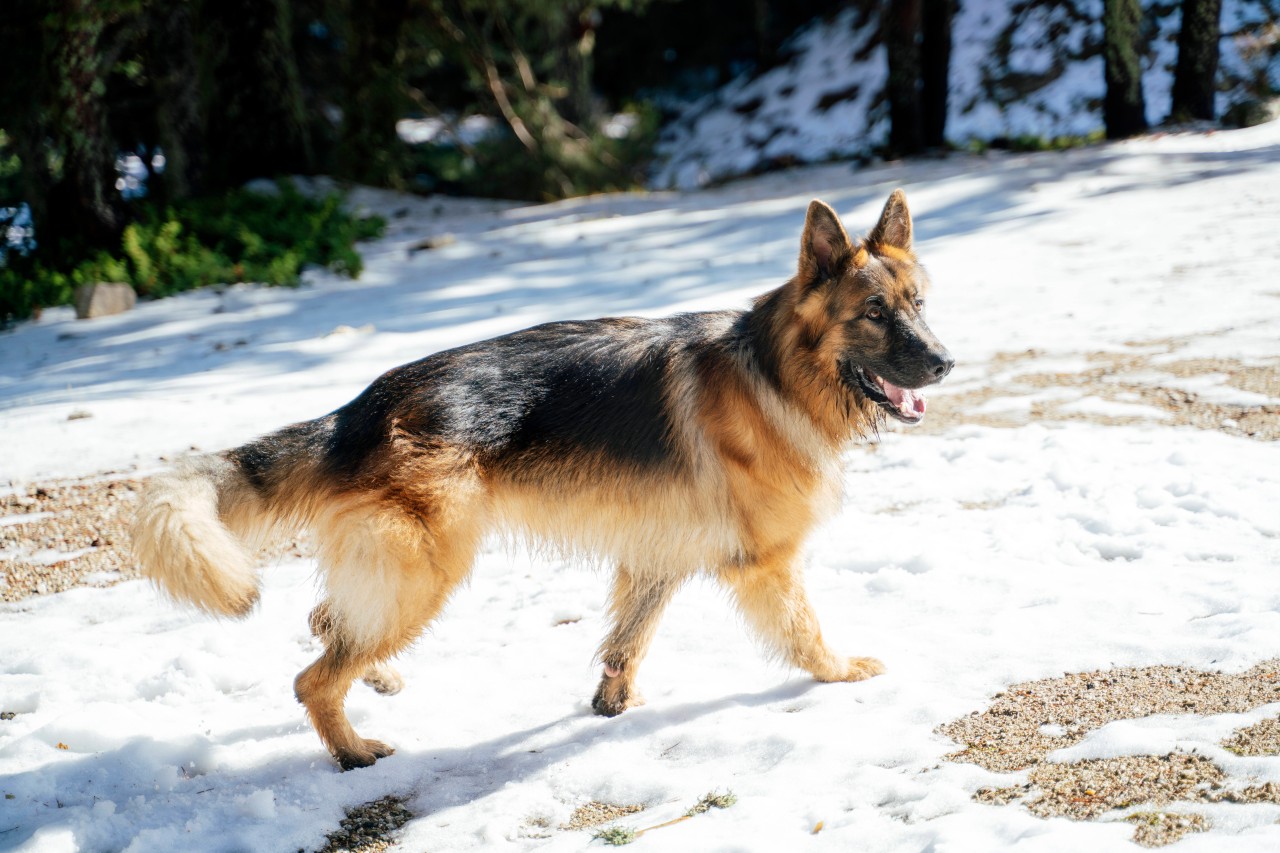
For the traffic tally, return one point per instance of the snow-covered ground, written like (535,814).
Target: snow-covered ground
(967,559)
(1016,69)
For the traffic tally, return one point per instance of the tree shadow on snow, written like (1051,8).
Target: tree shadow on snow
(581,258)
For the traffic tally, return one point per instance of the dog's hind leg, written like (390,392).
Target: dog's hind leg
(382,677)
(771,596)
(635,606)
(388,574)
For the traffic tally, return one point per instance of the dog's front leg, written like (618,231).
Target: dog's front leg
(635,606)
(772,598)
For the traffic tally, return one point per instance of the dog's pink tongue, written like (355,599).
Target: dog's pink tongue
(910,403)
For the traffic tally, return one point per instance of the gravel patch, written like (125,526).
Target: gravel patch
(368,828)
(1126,381)
(1156,829)
(74,533)
(1085,790)
(595,813)
(1032,719)
(57,536)
(1261,738)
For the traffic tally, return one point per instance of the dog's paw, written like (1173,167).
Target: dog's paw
(615,696)
(368,752)
(861,669)
(383,679)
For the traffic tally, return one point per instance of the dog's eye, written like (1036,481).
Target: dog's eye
(919,304)
(874,314)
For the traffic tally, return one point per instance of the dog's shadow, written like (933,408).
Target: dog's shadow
(519,755)
(462,775)
(155,787)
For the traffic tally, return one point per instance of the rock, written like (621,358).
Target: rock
(439,241)
(103,300)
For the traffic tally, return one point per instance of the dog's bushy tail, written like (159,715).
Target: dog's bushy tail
(183,543)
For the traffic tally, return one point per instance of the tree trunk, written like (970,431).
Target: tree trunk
(935,66)
(1123,108)
(180,120)
(81,203)
(257,122)
(369,149)
(901,28)
(1195,77)
(23,44)
(762,19)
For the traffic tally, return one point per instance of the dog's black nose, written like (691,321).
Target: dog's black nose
(940,364)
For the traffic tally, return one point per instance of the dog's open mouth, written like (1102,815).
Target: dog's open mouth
(905,404)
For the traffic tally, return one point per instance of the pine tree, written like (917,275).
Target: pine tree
(935,66)
(373,95)
(257,122)
(917,40)
(1195,76)
(80,202)
(172,59)
(1123,108)
(901,27)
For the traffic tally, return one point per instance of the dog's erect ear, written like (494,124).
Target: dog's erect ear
(824,244)
(894,227)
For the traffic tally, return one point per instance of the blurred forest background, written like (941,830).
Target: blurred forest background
(129,128)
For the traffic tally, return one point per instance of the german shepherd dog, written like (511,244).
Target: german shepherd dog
(701,443)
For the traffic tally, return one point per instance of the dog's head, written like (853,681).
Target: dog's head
(862,308)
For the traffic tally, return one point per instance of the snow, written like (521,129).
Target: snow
(1118,408)
(469,130)
(966,560)
(1016,70)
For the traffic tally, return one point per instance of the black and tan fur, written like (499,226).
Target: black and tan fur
(701,443)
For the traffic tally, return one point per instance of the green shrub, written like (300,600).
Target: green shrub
(240,236)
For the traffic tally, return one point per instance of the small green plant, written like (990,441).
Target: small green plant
(615,835)
(619,835)
(239,236)
(713,801)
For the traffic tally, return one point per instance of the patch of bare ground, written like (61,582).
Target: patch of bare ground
(1261,738)
(369,827)
(594,813)
(1115,378)
(57,536)
(75,533)
(1086,790)
(1029,720)
(1156,829)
